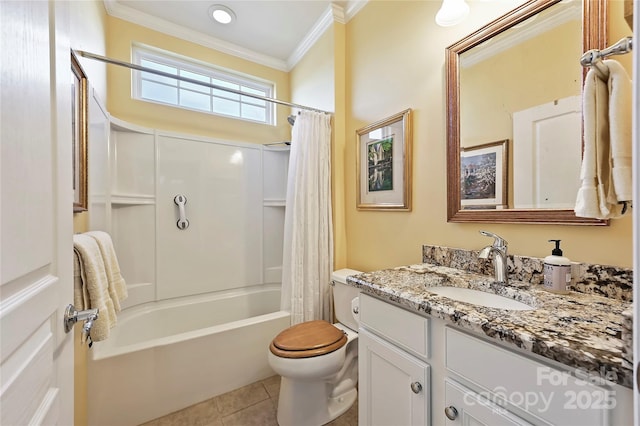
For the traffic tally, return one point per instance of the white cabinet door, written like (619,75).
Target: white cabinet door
(466,408)
(36,201)
(394,386)
(550,395)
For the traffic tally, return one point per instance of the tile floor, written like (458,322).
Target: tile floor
(252,405)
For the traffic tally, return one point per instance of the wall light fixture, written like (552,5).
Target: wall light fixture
(452,12)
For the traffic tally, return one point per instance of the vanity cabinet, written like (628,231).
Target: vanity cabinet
(518,384)
(419,370)
(394,381)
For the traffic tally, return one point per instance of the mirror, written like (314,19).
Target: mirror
(509,85)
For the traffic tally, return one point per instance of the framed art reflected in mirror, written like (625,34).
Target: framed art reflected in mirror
(79,134)
(383,164)
(483,175)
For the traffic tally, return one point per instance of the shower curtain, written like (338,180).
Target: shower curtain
(308,235)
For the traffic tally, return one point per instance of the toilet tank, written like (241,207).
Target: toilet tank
(343,294)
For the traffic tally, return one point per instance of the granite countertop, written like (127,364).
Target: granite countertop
(582,331)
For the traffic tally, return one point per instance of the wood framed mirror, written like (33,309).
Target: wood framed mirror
(510,38)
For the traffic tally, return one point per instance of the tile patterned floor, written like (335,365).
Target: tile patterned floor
(252,405)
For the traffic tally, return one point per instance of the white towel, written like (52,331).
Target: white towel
(116,284)
(620,108)
(93,283)
(606,163)
(80,293)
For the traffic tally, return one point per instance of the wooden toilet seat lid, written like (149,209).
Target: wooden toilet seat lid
(308,339)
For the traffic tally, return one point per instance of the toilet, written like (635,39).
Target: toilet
(318,361)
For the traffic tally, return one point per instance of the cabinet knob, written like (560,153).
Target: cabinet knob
(416,387)
(451,412)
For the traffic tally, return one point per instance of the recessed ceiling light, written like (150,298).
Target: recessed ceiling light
(222,14)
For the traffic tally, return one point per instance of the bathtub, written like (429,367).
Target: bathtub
(168,355)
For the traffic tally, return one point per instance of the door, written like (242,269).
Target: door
(36,198)
(547,140)
(393,385)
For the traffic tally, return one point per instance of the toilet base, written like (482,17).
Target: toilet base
(311,403)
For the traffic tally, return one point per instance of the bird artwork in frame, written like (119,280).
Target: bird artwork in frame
(384,164)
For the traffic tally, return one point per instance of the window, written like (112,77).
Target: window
(170,91)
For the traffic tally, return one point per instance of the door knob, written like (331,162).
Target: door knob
(72,316)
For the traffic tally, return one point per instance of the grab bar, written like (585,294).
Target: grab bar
(180,201)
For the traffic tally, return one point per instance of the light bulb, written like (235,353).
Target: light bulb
(452,12)
(221,14)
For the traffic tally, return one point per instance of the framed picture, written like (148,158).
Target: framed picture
(79,134)
(383,164)
(483,175)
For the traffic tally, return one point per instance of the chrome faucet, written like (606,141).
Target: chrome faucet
(499,251)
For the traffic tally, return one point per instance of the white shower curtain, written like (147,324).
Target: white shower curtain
(308,235)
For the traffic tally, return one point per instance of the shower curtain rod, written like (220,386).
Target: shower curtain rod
(108,60)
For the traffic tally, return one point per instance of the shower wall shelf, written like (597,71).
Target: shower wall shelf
(275,165)
(132,199)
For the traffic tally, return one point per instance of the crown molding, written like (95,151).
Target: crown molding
(334,13)
(525,32)
(129,14)
(353,7)
(337,13)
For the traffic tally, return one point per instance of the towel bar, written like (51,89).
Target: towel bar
(591,57)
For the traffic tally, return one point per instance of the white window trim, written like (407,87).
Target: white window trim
(192,65)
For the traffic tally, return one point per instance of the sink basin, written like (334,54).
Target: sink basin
(480,298)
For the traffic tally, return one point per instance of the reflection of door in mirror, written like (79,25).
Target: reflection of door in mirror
(545,170)
(529,65)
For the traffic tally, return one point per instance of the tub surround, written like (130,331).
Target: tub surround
(580,330)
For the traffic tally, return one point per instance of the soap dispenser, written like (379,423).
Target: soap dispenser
(557,271)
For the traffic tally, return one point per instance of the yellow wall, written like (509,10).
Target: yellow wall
(120,37)
(513,80)
(618,28)
(312,79)
(80,354)
(395,60)
(88,28)
(87,32)
(318,80)
(341,140)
